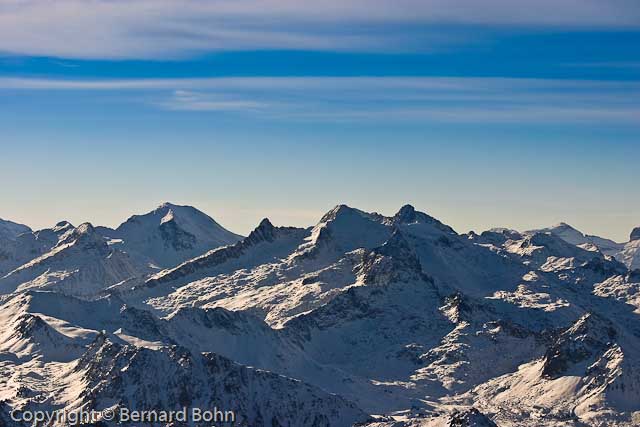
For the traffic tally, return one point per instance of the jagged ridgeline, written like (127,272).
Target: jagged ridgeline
(361,320)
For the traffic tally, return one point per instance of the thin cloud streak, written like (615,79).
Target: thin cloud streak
(119,29)
(375,99)
(318,83)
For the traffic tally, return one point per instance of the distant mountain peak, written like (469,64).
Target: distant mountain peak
(165,205)
(576,237)
(168,206)
(85,228)
(336,212)
(563,224)
(635,234)
(264,231)
(171,234)
(409,215)
(85,235)
(406,214)
(265,224)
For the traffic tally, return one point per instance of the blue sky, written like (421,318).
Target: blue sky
(482,115)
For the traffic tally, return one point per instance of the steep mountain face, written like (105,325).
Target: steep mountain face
(630,254)
(589,336)
(10,230)
(5,416)
(172,234)
(635,234)
(265,244)
(126,376)
(361,320)
(120,364)
(81,263)
(302,270)
(25,246)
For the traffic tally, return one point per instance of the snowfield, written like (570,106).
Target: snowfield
(361,320)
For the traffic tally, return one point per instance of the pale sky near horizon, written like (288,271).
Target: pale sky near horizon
(480,116)
(470,185)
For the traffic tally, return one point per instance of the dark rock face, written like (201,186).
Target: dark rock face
(605,267)
(129,377)
(174,236)
(265,231)
(589,336)
(5,415)
(635,234)
(470,418)
(393,261)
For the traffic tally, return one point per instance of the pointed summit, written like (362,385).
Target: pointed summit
(344,228)
(635,234)
(265,224)
(406,214)
(85,228)
(338,211)
(409,215)
(265,231)
(85,238)
(62,225)
(167,205)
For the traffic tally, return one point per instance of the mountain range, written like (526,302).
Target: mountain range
(360,320)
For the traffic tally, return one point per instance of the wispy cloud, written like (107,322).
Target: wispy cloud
(193,101)
(177,28)
(375,99)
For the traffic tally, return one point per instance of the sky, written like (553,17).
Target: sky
(482,114)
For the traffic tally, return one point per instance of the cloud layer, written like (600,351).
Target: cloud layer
(375,99)
(177,28)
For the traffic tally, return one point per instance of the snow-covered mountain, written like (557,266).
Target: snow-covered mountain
(577,238)
(10,230)
(27,245)
(171,234)
(86,260)
(81,263)
(627,253)
(630,253)
(362,319)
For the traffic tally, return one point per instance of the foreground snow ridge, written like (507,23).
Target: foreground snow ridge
(361,320)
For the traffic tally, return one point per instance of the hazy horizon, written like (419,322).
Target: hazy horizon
(280,218)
